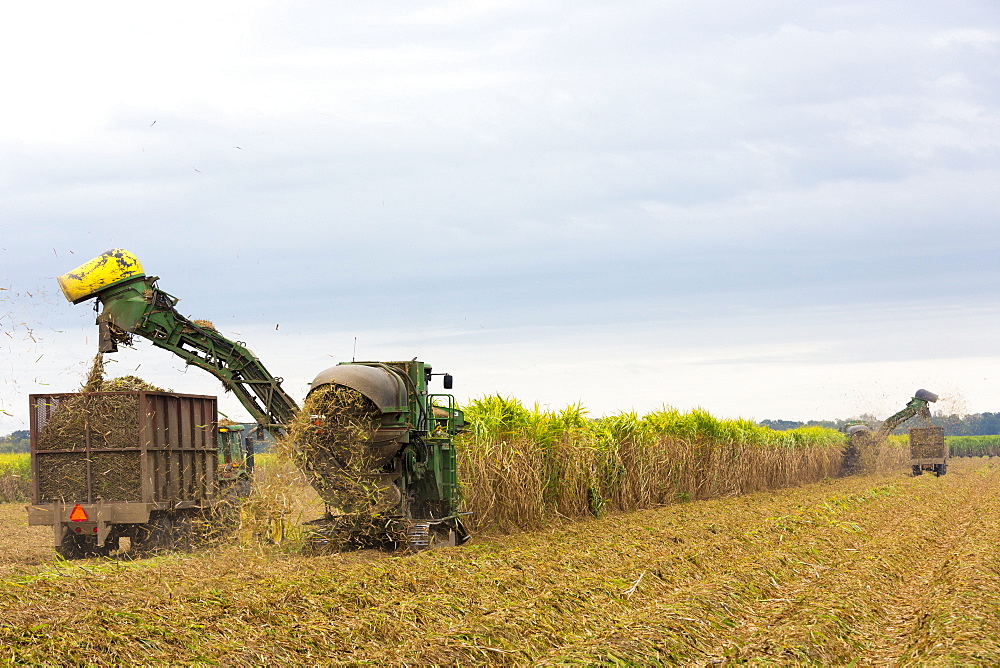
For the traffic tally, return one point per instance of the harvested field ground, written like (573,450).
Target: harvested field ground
(877,570)
(23,549)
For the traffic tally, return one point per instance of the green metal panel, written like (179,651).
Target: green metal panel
(139,307)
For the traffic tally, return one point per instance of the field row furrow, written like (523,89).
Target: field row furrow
(928,573)
(785,599)
(849,611)
(958,619)
(493,594)
(874,570)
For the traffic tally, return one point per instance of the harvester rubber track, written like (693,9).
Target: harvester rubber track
(418,536)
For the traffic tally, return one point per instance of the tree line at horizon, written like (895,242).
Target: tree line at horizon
(976,424)
(17,441)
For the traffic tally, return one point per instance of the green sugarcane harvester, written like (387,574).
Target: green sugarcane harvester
(860,435)
(410,453)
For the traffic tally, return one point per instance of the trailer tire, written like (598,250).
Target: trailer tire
(182,534)
(917,470)
(165,532)
(69,547)
(84,547)
(154,535)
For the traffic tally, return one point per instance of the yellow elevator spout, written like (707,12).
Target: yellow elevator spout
(107,269)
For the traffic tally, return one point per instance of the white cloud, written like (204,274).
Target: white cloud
(984,40)
(570,167)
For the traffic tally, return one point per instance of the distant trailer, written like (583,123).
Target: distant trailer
(928,450)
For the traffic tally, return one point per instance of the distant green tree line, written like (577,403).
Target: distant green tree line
(977,424)
(785,425)
(15,442)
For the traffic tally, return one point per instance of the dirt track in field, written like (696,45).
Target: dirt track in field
(879,570)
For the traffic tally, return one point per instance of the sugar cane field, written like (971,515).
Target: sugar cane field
(729,545)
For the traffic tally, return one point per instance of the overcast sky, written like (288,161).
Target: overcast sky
(779,209)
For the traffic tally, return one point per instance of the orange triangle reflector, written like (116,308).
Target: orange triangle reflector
(78,514)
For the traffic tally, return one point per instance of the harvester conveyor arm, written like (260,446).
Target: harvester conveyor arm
(137,306)
(917,406)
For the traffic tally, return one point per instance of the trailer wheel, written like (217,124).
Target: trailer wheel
(164,532)
(154,535)
(70,547)
(917,470)
(84,547)
(940,469)
(111,544)
(182,534)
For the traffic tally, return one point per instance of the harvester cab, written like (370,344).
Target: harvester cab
(376,418)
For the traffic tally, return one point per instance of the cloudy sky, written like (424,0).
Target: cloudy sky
(779,209)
